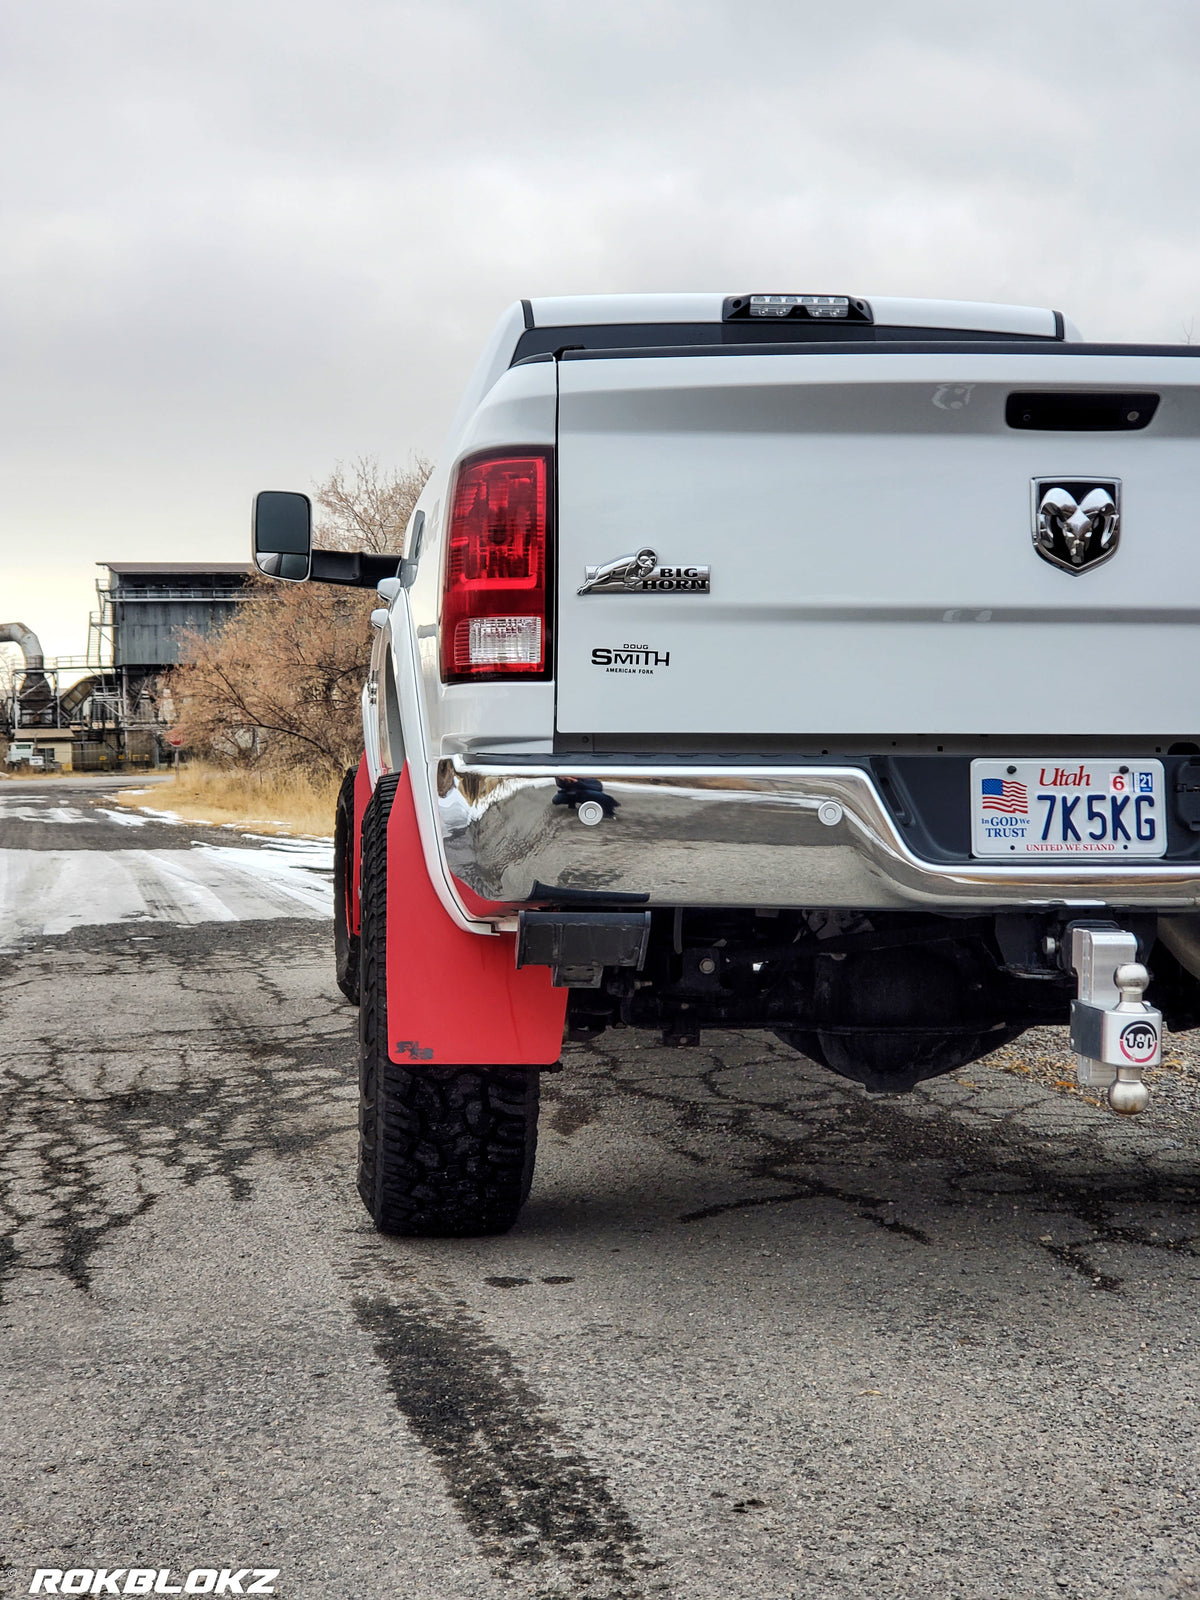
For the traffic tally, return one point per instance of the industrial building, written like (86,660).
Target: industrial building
(116,709)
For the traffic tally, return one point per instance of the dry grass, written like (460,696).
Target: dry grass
(268,802)
(33,775)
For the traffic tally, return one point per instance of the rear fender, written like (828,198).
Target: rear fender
(453,997)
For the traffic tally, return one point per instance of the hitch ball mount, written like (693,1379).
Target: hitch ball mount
(1115,1035)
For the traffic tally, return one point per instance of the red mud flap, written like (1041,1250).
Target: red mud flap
(456,997)
(362,793)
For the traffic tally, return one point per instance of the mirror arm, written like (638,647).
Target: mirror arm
(354,568)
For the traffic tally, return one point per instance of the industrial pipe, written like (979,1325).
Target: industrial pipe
(31,645)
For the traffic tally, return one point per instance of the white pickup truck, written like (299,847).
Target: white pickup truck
(768,661)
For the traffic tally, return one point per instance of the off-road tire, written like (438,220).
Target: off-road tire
(444,1151)
(345,943)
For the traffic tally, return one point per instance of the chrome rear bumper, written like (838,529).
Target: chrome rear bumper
(683,835)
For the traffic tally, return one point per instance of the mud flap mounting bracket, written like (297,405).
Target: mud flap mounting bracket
(578,945)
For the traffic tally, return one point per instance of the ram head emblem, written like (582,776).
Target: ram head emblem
(1076,522)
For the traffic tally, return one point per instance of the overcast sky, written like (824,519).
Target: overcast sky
(240,241)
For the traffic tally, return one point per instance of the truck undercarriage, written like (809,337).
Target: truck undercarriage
(888,999)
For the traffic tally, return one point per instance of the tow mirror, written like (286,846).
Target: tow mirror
(283,535)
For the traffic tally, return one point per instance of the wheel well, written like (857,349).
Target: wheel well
(391,729)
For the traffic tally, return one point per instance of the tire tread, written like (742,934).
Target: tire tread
(345,943)
(443,1151)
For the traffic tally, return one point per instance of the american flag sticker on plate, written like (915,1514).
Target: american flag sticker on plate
(1005,795)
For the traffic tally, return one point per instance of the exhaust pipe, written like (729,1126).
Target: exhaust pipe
(1181,935)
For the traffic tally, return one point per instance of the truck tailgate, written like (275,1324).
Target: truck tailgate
(867,519)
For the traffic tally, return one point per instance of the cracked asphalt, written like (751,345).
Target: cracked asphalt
(758,1333)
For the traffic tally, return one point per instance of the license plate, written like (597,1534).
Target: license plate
(1077,809)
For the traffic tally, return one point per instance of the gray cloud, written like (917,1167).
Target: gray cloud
(242,240)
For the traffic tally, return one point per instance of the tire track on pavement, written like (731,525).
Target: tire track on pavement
(527,1494)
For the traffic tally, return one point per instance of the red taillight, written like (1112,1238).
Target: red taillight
(495,622)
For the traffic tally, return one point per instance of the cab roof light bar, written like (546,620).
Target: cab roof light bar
(796,307)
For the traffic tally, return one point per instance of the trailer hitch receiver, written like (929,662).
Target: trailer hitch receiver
(1115,1035)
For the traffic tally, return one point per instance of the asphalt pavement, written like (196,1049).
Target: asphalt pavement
(758,1334)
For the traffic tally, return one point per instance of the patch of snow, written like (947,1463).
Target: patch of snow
(31,809)
(292,838)
(53,891)
(173,816)
(302,876)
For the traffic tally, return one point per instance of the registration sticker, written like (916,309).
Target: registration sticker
(1068,809)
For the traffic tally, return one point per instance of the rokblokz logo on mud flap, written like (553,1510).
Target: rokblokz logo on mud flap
(153,1580)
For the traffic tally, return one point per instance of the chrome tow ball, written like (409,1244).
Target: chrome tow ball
(1115,1035)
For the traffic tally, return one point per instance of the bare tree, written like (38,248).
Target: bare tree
(367,508)
(279,686)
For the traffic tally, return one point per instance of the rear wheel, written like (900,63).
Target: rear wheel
(345,942)
(443,1151)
